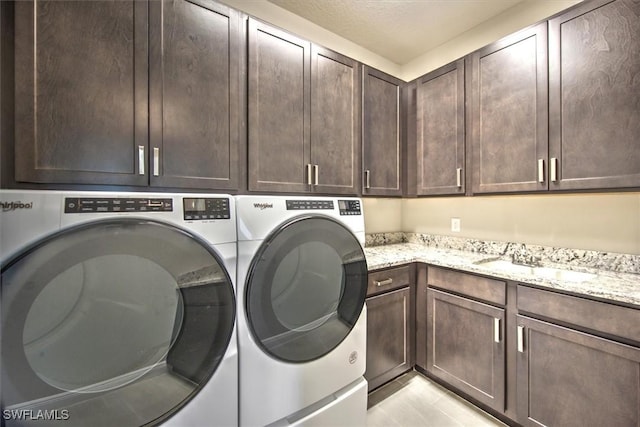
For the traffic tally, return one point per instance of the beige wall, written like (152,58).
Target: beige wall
(602,222)
(382,215)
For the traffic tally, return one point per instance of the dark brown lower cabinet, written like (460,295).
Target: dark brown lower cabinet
(570,378)
(390,326)
(466,346)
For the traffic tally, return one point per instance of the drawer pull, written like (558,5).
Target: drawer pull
(384,282)
(521,339)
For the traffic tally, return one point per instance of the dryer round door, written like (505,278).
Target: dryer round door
(305,289)
(116,322)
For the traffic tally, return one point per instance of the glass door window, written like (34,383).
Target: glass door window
(117,322)
(306,289)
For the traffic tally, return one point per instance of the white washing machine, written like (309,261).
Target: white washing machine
(302,279)
(118,309)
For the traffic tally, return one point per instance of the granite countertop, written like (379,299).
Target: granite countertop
(615,286)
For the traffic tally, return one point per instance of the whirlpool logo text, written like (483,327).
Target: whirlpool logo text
(12,206)
(263,206)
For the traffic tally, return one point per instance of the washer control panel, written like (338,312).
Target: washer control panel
(197,208)
(309,205)
(116,204)
(349,207)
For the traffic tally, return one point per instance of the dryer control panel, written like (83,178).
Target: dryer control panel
(309,204)
(349,207)
(116,204)
(206,208)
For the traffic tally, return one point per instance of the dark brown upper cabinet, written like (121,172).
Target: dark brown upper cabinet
(303,115)
(382,134)
(195,51)
(507,89)
(81,90)
(594,96)
(335,122)
(279,110)
(127,93)
(440,146)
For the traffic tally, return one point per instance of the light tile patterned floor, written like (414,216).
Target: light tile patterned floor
(414,401)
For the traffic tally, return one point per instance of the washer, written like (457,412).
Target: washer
(302,279)
(118,309)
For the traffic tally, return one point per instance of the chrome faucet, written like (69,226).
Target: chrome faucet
(522,256)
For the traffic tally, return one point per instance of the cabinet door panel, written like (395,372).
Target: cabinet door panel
(388,337)
(440,121)
(81,91)
(381,134)
(568,378)
(195,53)
(463,349)
(335,136)
(509,111)
(279,108)
(594,95)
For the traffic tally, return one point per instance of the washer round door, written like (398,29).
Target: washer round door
(305,289)
(116,322)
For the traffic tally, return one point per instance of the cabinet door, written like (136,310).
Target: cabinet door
(194,94)
(279,110)
(388,336)
(466,346)
(509,109)
(569,378)
(335,127)
(440,121)
(81,92)
(594,96)
(381,134)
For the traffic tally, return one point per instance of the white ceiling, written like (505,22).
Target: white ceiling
(399,30)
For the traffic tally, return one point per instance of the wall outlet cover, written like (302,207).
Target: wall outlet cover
(455,225)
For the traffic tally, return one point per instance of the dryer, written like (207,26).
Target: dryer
(118,309)
(302,279)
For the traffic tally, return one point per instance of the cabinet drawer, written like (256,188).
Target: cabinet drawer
(598,316)
(392,278)
(482,288)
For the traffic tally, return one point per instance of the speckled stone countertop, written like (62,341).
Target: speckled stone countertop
(617,286)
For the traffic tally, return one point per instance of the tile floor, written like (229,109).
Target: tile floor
(414,401)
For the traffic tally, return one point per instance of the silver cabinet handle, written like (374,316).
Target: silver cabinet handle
(553,165)
(156,161)
(521,339)
(309,178)
(141,159)
(384,282)
(540,170)
(459,177)
(315,173)
(496,330)
(367,179)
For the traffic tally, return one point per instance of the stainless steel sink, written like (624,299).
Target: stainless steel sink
(544,272)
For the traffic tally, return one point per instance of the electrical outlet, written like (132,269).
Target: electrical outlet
(455,225)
